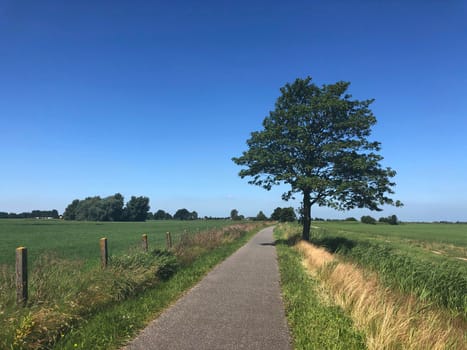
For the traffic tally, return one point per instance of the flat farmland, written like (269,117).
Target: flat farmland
(80,240)
(431,232)
(428,240)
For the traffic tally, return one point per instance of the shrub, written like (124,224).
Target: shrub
(166,263)
(366,219)
(350,219)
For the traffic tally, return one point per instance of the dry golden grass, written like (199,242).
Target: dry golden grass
(389,320)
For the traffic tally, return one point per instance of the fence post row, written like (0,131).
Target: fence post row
(168,240)
(21,275)
(104,252)
(145,242)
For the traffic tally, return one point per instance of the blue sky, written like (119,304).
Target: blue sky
(154,98)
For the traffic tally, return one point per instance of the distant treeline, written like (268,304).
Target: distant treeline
(41,214)
(110,208)
(180,214)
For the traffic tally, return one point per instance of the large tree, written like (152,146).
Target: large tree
(316,141)
(137,209)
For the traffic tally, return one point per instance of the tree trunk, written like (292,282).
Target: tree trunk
(306,216)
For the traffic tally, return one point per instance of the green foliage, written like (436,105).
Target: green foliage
(284,214)
(107,209)
(314,325)
(42,214)
(162,215)
(136,209)
(351,219)
(261,216)
(167,263)
(234,215)
(184,214)
(366,219)
(391,220)
(316,141)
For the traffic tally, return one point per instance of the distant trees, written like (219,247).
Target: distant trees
(284,214)
(108,209)
(366,219)
(162,215)
(136,209)
(235,216)
(261,216)
(185,214)
(391,220)
(31,215)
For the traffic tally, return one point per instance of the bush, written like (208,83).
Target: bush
(167,263)
(366,219)
(350,219)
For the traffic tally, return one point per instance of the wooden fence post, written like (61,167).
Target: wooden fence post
(104,252)
(21,275)
(145,242)
(168,240)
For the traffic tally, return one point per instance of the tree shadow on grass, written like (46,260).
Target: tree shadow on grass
(334,244)
(291,241)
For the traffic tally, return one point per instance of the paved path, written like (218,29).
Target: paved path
(236,306)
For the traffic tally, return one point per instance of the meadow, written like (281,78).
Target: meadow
(402,286)
(80,239)
(455,234)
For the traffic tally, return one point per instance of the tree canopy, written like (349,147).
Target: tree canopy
(185,214)
(107,209)
(284,214)
(316,141)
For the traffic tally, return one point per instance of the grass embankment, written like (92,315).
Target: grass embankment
(389,318)
(314,322)
(75,305)
(403,265)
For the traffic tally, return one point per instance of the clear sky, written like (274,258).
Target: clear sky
(154,98)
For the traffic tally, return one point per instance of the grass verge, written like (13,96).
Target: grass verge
(116,324)
(314,323)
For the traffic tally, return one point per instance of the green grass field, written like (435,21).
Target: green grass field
(80,240)
(437,241)
(432,232)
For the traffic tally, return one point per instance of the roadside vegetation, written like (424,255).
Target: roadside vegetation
(398,294)
(70,298)
(315,323)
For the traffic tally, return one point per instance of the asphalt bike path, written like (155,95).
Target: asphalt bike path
(238,305)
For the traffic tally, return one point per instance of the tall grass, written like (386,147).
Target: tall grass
(390,320)
(64,293)
(444,284)
(314,323)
